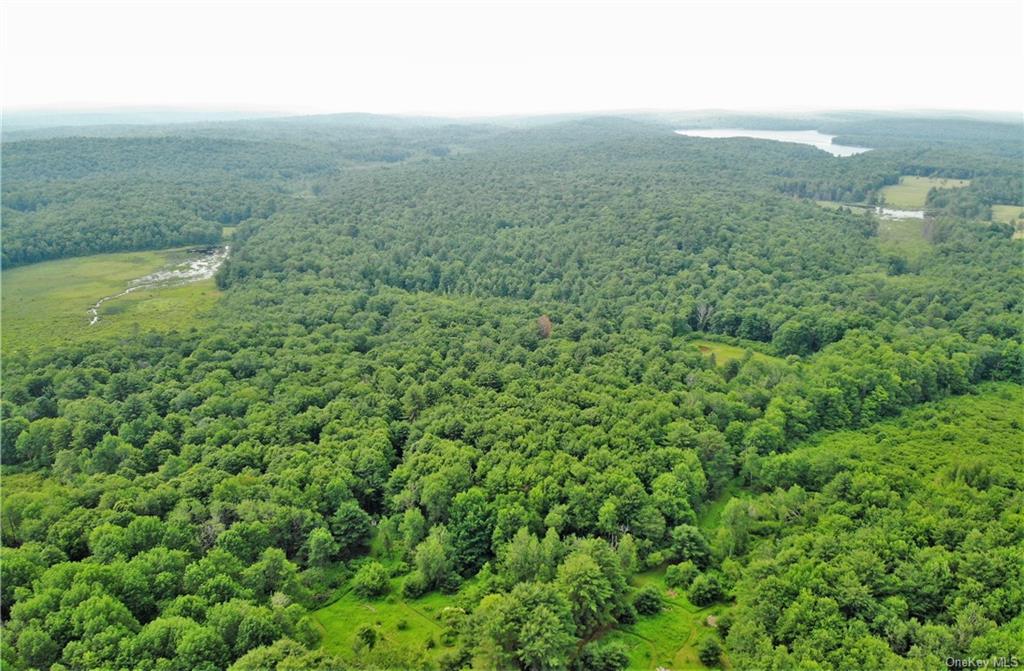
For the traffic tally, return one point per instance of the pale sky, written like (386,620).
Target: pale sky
(478,58)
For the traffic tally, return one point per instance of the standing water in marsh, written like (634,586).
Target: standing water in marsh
(201,267)
(889,213)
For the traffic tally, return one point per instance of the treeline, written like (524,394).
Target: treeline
(62,219)
(118,194)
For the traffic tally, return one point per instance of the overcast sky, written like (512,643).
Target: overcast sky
(490,58)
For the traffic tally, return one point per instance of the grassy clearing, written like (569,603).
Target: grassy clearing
(711,512)
(669,639)
(1007,214)
(46,303)
(911,192)
(1010,214)
(227,231)
(404,624)
(833,205)
(904,236)
(725,353)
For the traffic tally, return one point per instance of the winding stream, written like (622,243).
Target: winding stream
(193,270)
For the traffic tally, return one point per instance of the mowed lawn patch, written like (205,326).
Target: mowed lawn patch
(911,192)
(725,353)
(47,303)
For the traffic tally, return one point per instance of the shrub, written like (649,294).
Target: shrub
(705,589)
(603,657)
(724,624)
(415,585)
(366,638)
(648,600)
(710,651)
(371,580)
(625,613)
(679,576)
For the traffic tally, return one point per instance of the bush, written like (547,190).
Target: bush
(415,585)
(648,600)
(679,576)
(625,613)
(402,625)
(366,638)
(710,651)
(655,559)
(455,660)
(705,589)
(603,657)
(724,624)
(371,580)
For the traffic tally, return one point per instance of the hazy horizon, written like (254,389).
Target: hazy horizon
(502,59)
(56,117)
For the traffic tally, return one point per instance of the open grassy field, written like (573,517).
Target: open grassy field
(1007,214)
(669,639)
(725,353)
(46,303)
(833,205)
(903,236)
(1010,214)
(405,624)
(911,192)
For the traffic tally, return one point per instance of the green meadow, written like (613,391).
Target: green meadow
(47,303)
(725,353)
(669,639)
(412,624)
(1010,214)
(911,192)
(1007,214)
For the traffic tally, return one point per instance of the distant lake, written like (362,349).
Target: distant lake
(811,137)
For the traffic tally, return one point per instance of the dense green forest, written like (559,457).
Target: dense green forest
(477,361)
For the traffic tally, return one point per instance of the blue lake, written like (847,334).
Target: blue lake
(809,137)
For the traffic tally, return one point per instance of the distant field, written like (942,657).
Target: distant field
(46,303)
(833,205)
(1010,214)
(905,236)
(726,353)
(911,192)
